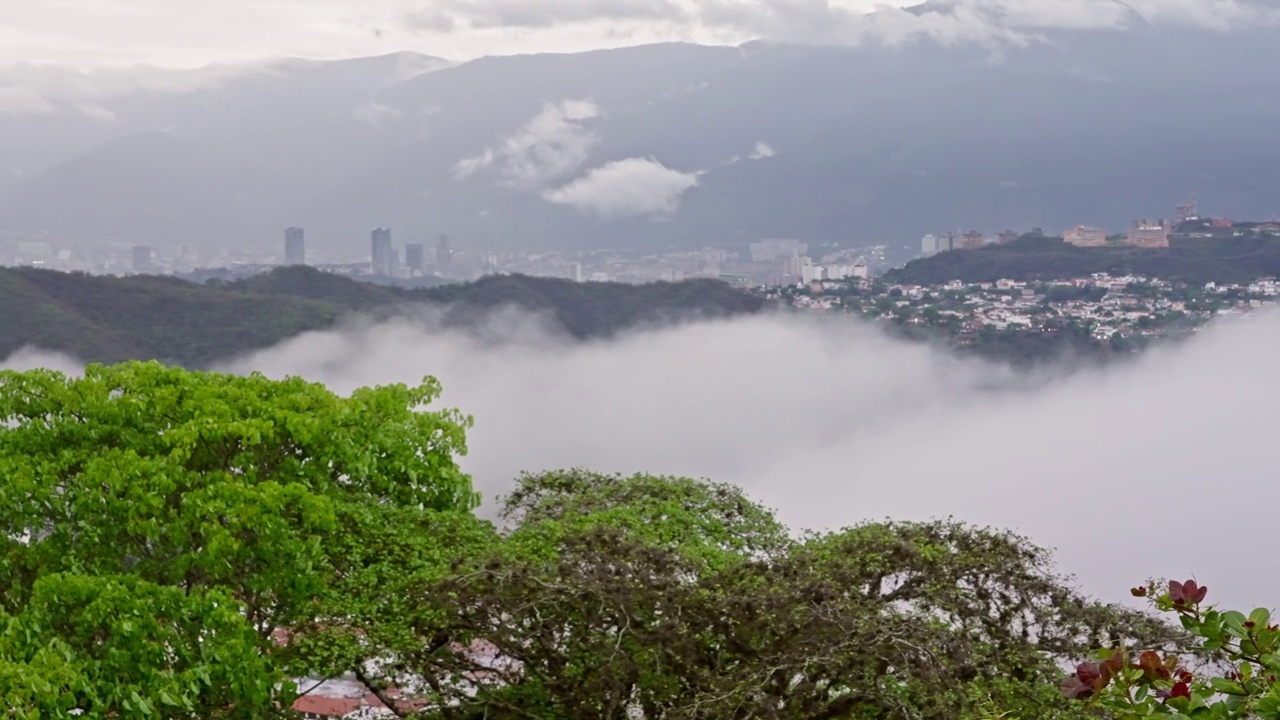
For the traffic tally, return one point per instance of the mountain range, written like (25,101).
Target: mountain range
(652,146)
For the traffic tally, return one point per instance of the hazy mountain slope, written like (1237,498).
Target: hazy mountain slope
(1234,260)
(46,321)
(305,119)
(590,310)
(152,186)
(109,319)
(879,144)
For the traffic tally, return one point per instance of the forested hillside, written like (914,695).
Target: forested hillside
(1231,260)
(108,319)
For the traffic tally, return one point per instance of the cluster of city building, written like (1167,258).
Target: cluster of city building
(1143,233)
(787,261)
(1103,304)
(791,261)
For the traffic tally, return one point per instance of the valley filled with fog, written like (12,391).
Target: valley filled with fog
(1162,466)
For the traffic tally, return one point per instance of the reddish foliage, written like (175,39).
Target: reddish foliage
(1187,593)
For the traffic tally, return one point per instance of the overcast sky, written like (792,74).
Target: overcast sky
(190,33)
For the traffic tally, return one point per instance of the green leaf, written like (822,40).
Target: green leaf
(1229,687)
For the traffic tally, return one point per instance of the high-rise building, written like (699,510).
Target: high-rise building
(381,262)
(1006,237)
(1085,236)
(142,258)
(928,245)
(295,246)
(1149,233)
(809,272)
(415,258)
(972,240)
(793,265)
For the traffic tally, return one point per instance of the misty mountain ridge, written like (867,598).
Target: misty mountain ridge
(110,319)
(663,145)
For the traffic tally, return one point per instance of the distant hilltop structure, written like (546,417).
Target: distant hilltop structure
(1085,236)
(1149,233)
(972,240)
(1187,212)
(933,244)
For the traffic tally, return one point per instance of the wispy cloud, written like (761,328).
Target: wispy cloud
(23,101)
(627,188)
(449,15)
(844,21)
(551,146)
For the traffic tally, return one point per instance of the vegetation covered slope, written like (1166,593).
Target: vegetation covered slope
(107,319)
(1229,260)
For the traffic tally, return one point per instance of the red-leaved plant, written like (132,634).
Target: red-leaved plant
(1155,685)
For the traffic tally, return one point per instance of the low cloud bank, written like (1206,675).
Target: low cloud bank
(627,188)
(1162,467)
(844,22)
(34,358)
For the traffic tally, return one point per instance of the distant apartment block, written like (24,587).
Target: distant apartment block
(381,253)
(1085,236)
(1006,237)
(415,258)
(929,246)
(142,258)
(295,246)
(771,251)
(972,240)
(1149,233)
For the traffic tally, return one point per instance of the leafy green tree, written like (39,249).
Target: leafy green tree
(667,598)
(181,544)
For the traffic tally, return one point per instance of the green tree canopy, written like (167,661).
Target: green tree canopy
(170,541)
(589,608)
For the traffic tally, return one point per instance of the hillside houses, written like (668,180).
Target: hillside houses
(1103,306)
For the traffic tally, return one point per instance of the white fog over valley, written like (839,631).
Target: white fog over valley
(1160,467)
